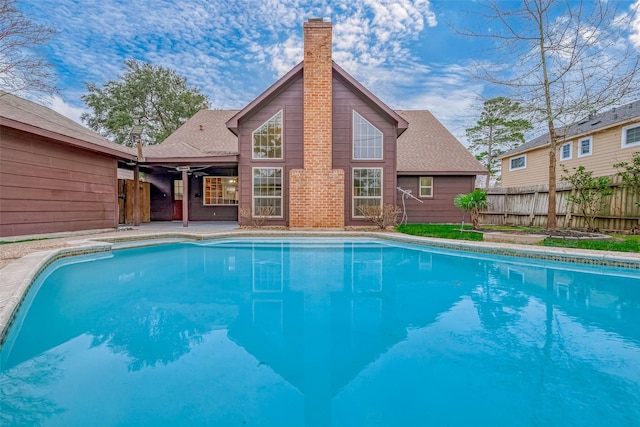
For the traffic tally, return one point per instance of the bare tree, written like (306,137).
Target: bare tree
(562,60)
(21,68)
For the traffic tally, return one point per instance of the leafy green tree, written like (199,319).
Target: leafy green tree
(629,173)
(498,130)
(589,195)
(473,203)
(149,95)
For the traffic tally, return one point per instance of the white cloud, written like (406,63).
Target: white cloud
(634,37)
(234,50)
(58,105)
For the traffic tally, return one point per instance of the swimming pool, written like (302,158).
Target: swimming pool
(322,332)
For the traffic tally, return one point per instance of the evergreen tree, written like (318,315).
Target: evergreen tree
(498,130)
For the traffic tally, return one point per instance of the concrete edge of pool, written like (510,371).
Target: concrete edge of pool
(18,276)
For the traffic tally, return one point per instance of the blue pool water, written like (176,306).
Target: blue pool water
(323,333)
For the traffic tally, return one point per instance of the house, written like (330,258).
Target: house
(55,175)
(308,153)
(597,142)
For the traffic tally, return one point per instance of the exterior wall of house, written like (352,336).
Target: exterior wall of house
(345,101)
(606,151)
(289,100)
(161,204)
(48,187)
(162,198)
(198,211)
(440,207)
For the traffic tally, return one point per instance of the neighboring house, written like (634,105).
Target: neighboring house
(55,175)
(596,142)
(312,148)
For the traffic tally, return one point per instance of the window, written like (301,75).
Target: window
(218,190)
(367,189)
(267,192)
(585,146)
(367,140)
(565,151)
(631,136)
(177,189)
(517,163)
(426,186)
(267,139)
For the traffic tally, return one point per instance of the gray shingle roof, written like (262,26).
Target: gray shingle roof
(585,126)
(38,117)
(203,135)
(427,146)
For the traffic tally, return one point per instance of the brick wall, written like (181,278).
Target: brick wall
(316,198)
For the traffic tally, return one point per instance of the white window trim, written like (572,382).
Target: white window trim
(420,187)
(353,137)
(623,143)
(353,197)
(253,153)
(517,157)
(204,179)
(590,138)
(253,197)
(570,156)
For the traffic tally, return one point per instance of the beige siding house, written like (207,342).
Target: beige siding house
(596,142)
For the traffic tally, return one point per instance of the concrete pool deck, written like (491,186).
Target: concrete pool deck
(27,256)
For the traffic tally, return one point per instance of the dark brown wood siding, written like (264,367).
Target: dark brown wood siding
(289,100)
(345,101)
(48,187)
(440,207)
(200,212)
(162,197)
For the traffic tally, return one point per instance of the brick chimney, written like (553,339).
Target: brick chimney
(316,198)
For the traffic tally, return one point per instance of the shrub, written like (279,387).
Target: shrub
(260,216)
(382,216)
(590,194)
(473,203)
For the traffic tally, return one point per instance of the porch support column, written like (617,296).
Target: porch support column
(136,195)
(185,197)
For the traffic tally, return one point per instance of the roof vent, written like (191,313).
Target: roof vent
(201,127)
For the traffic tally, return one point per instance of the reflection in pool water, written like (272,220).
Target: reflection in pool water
(323,332)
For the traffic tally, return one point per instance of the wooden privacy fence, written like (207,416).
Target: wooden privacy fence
(126,188)
(527,206)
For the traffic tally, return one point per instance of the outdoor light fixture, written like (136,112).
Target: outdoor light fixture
(136,131)
(136,138)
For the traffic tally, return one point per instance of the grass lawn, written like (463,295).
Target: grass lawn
(444,231)
(620,243)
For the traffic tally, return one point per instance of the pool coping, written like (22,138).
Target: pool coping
(18,276)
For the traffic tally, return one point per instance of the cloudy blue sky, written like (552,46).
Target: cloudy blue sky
(405,51)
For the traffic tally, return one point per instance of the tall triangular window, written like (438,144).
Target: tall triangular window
(267,139)
(367,139)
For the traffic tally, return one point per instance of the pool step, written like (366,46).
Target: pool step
(150,242)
